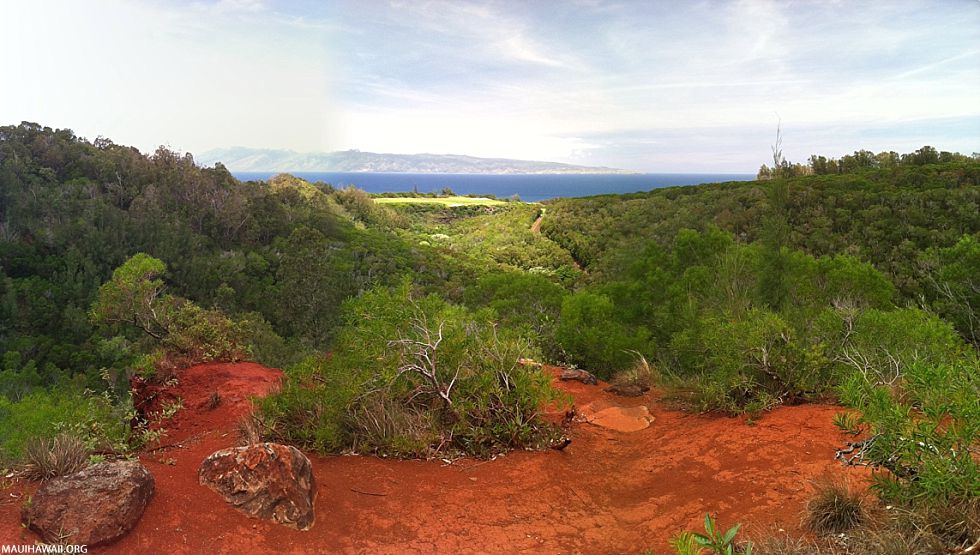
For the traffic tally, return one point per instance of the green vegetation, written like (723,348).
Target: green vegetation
(712,541)
(449,201)
(399,321)
(414,377)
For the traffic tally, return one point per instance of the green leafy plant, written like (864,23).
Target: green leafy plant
(713,540)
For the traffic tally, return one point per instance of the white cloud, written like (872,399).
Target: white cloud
(531,80)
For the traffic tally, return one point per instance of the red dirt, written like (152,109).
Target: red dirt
(536,226)
(608,492)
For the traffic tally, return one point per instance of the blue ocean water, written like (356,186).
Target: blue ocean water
(530,188)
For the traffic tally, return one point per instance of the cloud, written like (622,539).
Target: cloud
(645,85)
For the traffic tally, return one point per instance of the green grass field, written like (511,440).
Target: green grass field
(445,201)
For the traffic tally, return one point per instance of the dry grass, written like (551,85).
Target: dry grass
(641,375)
(930,528)
(214,400)
(58,456)
(381,422)
(836,507)
(250,430)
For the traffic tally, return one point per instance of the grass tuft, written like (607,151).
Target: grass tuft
(48,458)
(835,508)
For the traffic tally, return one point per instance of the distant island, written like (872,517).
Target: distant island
(241,159)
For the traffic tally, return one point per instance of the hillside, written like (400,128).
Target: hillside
(241,159)
(144,301)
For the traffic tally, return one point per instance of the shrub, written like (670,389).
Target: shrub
(918,399)
(172,328)
(750,364)
(640,376)
(413,377)
(835,508)
(52,457)
(594,338)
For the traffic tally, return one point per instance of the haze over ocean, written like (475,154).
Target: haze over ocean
(530,188)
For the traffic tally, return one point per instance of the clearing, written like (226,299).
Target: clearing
(445,201)
(607,492)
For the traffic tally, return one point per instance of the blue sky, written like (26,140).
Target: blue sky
(649,86)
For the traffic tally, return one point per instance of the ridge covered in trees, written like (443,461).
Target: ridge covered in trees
(853,280)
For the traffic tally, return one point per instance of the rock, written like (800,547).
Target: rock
(265,480)
(577,375)
(628,390)
(614,417)
(94,506)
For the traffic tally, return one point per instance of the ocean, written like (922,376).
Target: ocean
(530,188)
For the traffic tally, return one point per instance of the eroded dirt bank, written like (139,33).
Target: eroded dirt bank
(608,492)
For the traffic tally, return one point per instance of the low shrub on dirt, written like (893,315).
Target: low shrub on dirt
(750,364)
(414,377)
(835,507)
(923,430)
(52,457)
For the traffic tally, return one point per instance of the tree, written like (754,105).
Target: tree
(134,296)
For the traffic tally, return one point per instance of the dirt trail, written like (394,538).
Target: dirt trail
(536,226)
(608,492)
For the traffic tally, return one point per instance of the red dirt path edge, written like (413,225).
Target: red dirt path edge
(608,492)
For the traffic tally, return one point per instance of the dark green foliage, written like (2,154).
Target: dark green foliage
(522,301)
(699,308)
(593,337)
(885,216)
(953,285)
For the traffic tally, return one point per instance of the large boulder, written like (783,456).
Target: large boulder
(265,480)
(94,506)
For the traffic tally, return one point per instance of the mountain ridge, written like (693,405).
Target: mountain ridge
(244,159)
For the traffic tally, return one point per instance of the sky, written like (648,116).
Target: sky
(658,86)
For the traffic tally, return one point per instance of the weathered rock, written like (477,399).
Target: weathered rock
(94,506)
(577,375)
(623,419)
(628,390)
(265,480)
(611,416)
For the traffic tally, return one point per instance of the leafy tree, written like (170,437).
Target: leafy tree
(134,296)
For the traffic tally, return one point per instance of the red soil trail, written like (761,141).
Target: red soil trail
(608,492)
(536,226)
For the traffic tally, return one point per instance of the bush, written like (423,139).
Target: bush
(61,455)
(916,386)
(413,377)
(923,430)
(593,337)
(749,364)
